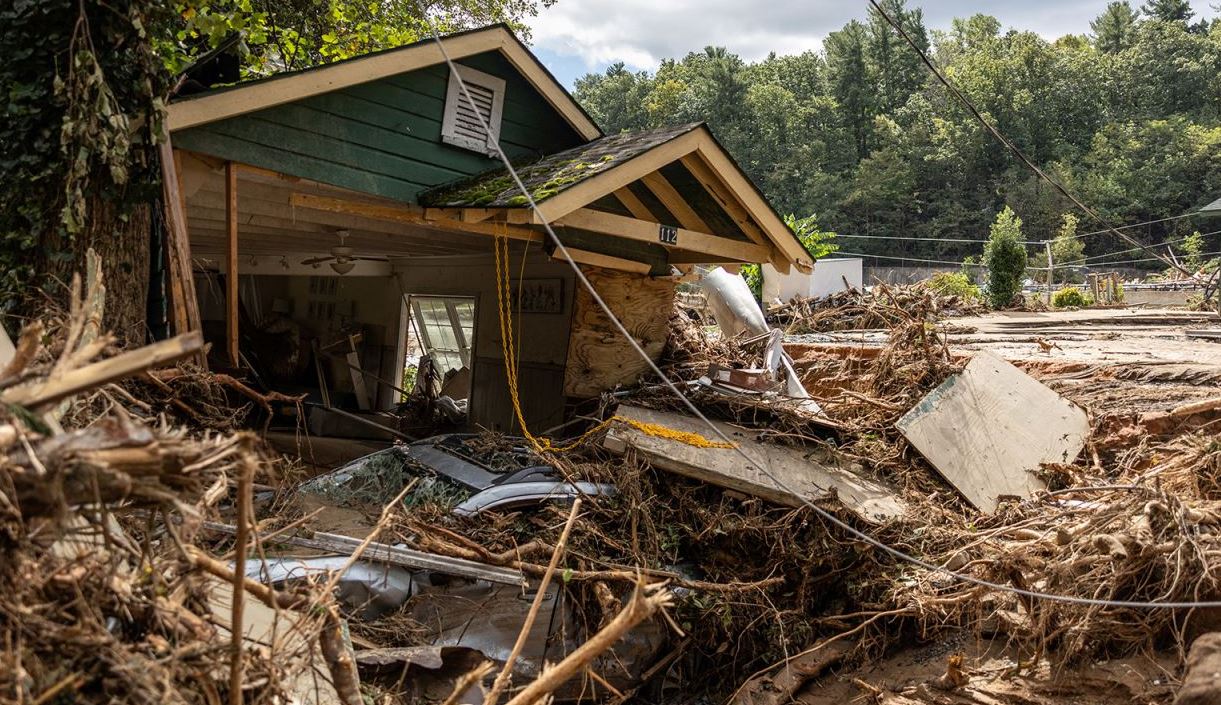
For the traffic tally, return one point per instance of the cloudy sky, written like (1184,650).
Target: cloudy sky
(577,36)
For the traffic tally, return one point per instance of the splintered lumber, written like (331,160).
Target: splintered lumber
(989,428)
(810,474)
(52,389)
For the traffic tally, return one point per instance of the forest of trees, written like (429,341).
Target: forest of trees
(862,136)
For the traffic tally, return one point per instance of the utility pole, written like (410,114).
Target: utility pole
(1050,273)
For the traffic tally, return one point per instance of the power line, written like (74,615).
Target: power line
(1137,225)
(912,238)
(1161,244)
(984,241)
(1147,259)
(826,515)
(1010,145)
(910,259)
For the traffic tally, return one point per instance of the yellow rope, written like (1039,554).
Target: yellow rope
(504,304)
(654,429)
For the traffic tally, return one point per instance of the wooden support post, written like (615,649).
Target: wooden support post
(184,305)
(231,276)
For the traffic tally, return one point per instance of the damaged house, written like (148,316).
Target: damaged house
(346,220)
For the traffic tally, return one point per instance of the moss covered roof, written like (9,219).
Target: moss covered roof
(551,174)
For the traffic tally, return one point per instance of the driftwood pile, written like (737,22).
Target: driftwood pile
(106,595)
(1136,518)
(881,307)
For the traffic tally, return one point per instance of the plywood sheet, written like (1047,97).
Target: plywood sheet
(809,473)
(987,430)
(599,358)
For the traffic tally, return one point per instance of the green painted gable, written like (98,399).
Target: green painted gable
(383,137)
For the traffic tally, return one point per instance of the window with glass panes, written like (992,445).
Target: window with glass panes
(446,326)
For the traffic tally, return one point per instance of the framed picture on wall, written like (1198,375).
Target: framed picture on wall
(538,295)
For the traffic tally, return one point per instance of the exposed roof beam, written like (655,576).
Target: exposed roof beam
(729,203)
(634,205)
(411,214)
(598,259)
(758,207)
(279,238)
(689,240)
(674,202)
(251,221)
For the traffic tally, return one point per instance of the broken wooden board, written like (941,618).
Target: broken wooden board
(990,427)
(810,473)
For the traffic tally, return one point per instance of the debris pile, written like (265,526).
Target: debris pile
(879,307)
(917,495)
(107,594)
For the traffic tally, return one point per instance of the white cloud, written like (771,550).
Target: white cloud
(642,32)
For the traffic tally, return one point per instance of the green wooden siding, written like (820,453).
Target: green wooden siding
(383,137)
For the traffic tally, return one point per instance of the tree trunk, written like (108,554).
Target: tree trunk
(122,241)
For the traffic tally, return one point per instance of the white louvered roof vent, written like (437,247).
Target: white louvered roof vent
(461,125)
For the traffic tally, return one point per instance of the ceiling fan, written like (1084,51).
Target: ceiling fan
(342,258)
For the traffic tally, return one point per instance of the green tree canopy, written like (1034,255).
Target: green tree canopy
(1115,28)
(861,134)
(1168,10)
(280,35)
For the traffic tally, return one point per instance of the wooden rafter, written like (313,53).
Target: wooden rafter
(723,196)
(758,208)
(610,180)
(683,239)
(634,205)
(597,259)
(410,214)
(669,196)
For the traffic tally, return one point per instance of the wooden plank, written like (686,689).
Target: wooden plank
(178,250)
(674,202)
(758,207)
(682,239)
(597,259)
(411,214)
(270,207)
(231,274)
(723,196)
(811,474)
(988,429)
(97,374)
(599,358)
(634,205)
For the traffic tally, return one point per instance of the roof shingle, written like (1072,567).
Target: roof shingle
(551,174)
